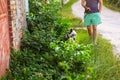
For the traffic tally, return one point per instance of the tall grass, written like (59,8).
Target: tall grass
(112,4)
(105,65)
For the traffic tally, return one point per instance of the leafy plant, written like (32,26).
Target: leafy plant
(44,26)
(65,60)
(77,56)
(43,54)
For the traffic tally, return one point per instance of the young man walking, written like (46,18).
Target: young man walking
(92,16)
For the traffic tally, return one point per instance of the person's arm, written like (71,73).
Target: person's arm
(100,5)
(83,3)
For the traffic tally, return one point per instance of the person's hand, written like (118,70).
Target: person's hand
(87,10)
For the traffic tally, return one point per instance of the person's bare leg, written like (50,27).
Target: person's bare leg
(94,34)
(90,32)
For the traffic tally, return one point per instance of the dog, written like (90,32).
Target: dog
(72,34)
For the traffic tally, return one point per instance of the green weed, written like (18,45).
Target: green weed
(103,62)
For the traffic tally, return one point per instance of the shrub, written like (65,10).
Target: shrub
(44,26)
(75,55)
(66,60)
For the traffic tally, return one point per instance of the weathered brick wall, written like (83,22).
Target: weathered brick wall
(18,21)
(12,20)
(4,37)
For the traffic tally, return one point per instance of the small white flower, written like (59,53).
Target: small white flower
(57,48)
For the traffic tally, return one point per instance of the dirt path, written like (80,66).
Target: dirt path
(110,27)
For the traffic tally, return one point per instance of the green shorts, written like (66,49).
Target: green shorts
(92,19)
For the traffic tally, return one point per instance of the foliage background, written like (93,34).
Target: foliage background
(112,4)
